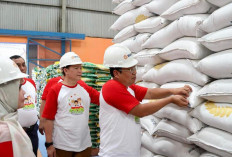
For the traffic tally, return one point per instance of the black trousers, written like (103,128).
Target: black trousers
(33,135)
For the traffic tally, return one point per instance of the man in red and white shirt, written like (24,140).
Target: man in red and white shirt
(120,106)
(48,86)
(28,115)
(67,111)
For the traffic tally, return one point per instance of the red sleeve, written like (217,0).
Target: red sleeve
(31,81)
(50,83)
(117,95)
(51,105)
(6,149)
(93,93)
(140,92)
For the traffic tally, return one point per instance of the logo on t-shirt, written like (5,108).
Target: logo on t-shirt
(28,103)
(76,105)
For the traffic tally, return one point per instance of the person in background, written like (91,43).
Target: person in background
(120,107)
(48,86)
(14,142)
(66,112)
(28,115)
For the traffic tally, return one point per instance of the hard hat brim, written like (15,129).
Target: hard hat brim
(132,63)
(62,66)
(18,76)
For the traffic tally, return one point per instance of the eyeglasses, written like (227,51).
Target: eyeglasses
(132,69)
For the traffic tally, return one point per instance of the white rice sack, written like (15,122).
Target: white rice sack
(218,115)
(193,98)
(148,84)
(131,44)
(141,70)
(124,34)
(149,123)
(145,153)
(131,17)
(117,1)
(217,65)
(189,25)
(181,116)
(164,36)
(175,131)
(135,43)
(171,148)
(160,6)
(151,25)
(140,2)
(177,70)
(219,40)
(148,67)
(187,47)
(219,3)
(186,7)
(168,147)
(147,141)
(214,140)
(217,91)
(207,154)
(123,7)
(139,73)
(219,19)
(185,26)
(148,56)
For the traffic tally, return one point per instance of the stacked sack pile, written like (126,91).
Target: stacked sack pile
(41,76)
(177,42)
(95,75)
(217,111)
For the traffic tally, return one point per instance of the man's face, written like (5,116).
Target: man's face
(127,76)
(21,64)
(74,72)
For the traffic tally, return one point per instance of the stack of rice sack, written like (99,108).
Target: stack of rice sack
(133,13)
(41,77)
(175,126)
(103,75)
(216,112)
(95,75)
(171,44)
(38,76)
(89,77)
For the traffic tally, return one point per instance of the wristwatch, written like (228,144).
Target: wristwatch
(48,144)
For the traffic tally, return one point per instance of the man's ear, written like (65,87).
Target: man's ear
(116,73)
(65,70)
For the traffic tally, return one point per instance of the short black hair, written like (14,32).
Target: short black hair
(62,69)
(112,71)
(15,57)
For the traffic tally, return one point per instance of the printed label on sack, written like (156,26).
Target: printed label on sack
(218,111)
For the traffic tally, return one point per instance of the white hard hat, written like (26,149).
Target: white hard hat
(69,58)
(9,70)
(119,56)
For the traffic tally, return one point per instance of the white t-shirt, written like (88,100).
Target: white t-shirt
(120,132)
(28,115)
(69,107)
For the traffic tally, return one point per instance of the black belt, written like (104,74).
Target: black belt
(30,128)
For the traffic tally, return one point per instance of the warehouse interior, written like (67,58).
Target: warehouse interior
(177,44)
